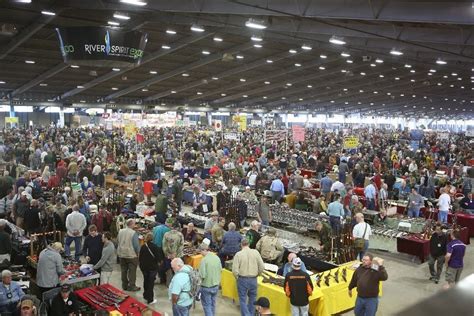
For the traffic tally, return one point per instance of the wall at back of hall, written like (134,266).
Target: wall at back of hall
(38,118)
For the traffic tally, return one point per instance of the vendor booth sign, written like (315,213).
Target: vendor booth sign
(351,142)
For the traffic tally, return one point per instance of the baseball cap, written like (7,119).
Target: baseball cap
(27,303)
(296,263)
(57,246)
(262,302)
(203,246)
(65,288)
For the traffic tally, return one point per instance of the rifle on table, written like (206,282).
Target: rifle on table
(336,275)
(267,278)
(111,293)
(326,278)
(344,274)
(320,278)
(94,301)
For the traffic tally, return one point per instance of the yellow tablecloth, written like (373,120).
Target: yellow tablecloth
(325,300)
(280,303)
(193,261)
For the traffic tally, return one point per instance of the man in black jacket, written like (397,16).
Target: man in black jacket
(298,287)
(65,303)
(438,244)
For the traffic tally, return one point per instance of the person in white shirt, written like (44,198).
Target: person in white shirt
(306,182)
(338,185)
(362,230)
(444,203)
(252,178)
(75,225)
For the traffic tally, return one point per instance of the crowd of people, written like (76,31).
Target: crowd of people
(41,166)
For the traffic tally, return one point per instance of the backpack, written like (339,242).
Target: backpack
(195,285)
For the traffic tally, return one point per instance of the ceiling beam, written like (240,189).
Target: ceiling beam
(224,74)
(199,63)
(25,34)
(48,74)
(148,58)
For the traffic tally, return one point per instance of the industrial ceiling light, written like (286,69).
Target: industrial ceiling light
(45,12)
(306,47)
(245,96)
(297,65)
(80,87)
(256,38)
(362,73)
(197,28)
(396,52)
(441,62)
(165,47)
(134,2)
(349,61)
(121,16)
(145,90)
(379,61)
(2,82)
(432,70)
(170,32)
(242,80)
(217,39)
(115,69)
(206,52)
(267,82)
(323,56)
(344,54)
(114,88)
(43,84)
(215,78)
(113,23)
(269,61)
(337,40)
(322,68)
(153,72)
(239,57)
(173,91)
(29,61)
(74,66)
(407,66)
(292,51)
(185,75)
(255,24)
(257,46)
(199,93)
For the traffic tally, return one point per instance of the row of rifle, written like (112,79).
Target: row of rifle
(326,277)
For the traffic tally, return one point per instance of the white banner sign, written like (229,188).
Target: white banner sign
(231,136)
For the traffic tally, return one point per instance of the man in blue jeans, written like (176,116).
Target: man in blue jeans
(366,278)
(210,270)
(180,287)
(75,225)
(246,266)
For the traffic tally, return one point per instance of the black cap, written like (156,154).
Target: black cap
(65,288)
(262,302)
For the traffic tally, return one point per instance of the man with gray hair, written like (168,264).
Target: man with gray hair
(230,243)
(180,288)
(246,266)
(10,294)
(127,250)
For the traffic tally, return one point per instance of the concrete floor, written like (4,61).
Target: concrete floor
(407,284)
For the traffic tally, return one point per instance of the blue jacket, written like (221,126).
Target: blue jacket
(231,243)
(15,291)
(288,267)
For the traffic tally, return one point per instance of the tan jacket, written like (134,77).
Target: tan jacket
(269,247)
(217,234)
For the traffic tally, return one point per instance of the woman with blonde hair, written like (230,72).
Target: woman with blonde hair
(149,259)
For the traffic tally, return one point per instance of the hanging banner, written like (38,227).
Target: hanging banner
(351,142)
(140,138)
(11,120)
(217,125)
(241,121)
(101,46)
(275,135)
(298,133)
(231,136)
(255,122)
(130,129)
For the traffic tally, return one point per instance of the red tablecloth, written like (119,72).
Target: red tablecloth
(124,307)
(148,187)
(414,246)
(306,172)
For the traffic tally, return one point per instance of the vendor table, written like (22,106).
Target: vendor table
(211,203)
(129,305)
(464,220)
(414,246)
(316,264)
(325,300)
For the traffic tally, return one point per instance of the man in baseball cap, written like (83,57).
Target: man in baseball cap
(65,302)
(263,306)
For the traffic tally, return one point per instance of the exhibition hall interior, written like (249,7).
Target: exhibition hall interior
(236,157)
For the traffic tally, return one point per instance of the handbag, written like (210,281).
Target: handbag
(359,243)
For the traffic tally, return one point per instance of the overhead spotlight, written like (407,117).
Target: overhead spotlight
(322,68)
(396,52)
(257,46)
(197,28)
(153,72)
(114,88)
(269,61)
(205,52)
(48,12)
(239,57)
(297,65)
(170,32)
(256,38)
(134,2)
(432,70)
(74,66)
(165,47)
(215,78)
(344,54)
(323,56)
(292,51)
(379,61)
(255,24)
(30,61)
(306,47)
(407,66)
(441,62)
(2,82)
(121,16)
(217,39)
(349,61)
(337,40)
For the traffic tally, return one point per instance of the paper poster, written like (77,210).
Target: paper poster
(351,142)
(298,133)
(217,125)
